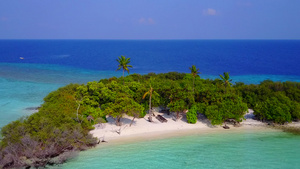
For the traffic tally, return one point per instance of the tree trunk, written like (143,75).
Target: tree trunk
(193,84)
(150,109)
(78,110)
(132,121)
(123,77)
(118,121)
(177,115)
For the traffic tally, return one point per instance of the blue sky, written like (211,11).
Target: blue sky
(150,19)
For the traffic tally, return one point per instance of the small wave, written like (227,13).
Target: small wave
(5,104)
(62,56)
(26,58)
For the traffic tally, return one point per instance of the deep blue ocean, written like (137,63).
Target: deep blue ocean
(212,57)
(30,69)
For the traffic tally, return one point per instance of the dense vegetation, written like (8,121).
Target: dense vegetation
(68,114)
(278,102)
(53,131)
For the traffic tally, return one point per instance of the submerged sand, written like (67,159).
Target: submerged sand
(142,129)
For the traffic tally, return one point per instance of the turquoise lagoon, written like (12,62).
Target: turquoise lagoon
(23,86)
(245,149)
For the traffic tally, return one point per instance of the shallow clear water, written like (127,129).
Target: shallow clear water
(247,149)
(24,86)
(16,96)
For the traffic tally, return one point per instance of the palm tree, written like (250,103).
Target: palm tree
(123,63)
(226,79)
(150,97)
(194,72)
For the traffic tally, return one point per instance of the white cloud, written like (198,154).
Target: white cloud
(142,20)
(151,21)
(2,18)
(145,21)
(209,11)
(244,4)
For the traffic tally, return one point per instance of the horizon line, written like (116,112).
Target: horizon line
(138,39)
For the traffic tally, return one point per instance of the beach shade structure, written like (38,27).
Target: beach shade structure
(226,127)
(161,119)
(232,121)
(165,111)
(90,118)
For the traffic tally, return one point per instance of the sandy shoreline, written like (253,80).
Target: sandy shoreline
(142,129)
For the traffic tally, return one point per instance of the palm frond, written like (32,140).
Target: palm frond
(226,79)
(123,61)
(226,74)
(126,68)
(145,94)
(194,71)
(155,93)
(222,77)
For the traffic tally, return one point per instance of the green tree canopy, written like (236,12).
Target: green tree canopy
(123,105)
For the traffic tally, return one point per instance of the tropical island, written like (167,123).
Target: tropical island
(66,120)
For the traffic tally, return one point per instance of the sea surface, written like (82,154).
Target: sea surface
(246,149)
(30,69)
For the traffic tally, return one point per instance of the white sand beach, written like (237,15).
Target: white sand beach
(142,129)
